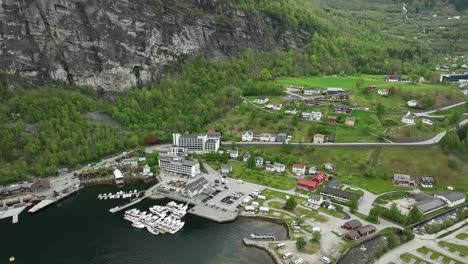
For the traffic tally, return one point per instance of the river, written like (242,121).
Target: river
(80,230)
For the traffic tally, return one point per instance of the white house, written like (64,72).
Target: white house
(382,92)
(274,106)
(267,137)
(298,169)
(427,121)
(294,88)
(259,162)
(312,92)
(426,182)
(451,198)
(412,103)
(290,111)
(279,167)
(312,170)
(247,136)
(315,199)
(130,162)
(328,166)
(270,168)
(313,116)
(233,153)
(261,100)
(409,118)
(118,176)
(226,169)
(147,170)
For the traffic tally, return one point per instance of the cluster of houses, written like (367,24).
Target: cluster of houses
(320,138)
(24,187)
(356,230)
(249,136)
(408,181)
(410,119)
(269,166)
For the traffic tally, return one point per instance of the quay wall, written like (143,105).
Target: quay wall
(251,243)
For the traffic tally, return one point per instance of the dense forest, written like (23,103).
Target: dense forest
(48,127)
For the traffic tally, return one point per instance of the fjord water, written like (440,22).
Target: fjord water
(80,230)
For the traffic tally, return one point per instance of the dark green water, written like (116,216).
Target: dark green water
(80,230)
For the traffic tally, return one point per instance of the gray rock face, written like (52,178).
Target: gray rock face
(115,44)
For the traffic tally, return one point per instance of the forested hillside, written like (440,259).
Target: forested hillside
(55,125)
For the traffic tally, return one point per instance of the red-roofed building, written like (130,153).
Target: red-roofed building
(298,169)
(319,177)
(214,133)
(306,185)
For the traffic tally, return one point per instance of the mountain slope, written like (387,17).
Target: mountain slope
(114,45)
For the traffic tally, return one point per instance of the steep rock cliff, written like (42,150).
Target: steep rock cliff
(114,44)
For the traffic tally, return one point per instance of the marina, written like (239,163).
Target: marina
(203,240)
(161,219)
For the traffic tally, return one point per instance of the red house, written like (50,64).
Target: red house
(213,133)
(306,185)
(319,177)
(332,119)
(366,230)
(352,224)
(353,235)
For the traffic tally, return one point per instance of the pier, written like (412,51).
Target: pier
(263,236)
(12,211)
(51,200)
(119,208)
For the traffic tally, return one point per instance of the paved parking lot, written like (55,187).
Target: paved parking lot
(209,204)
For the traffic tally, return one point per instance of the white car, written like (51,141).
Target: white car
(287,255)
(325,259)
(299,261)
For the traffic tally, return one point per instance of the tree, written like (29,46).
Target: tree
(264,75)
(393,241)
(380,109)
(301,243)
(359,83)
(316,236)
(251,162)
(392,90)
(291,203)
(374,214)
(414,216)
(408,234)
(353,205)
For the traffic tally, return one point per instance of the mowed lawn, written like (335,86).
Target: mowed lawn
(352,164)
(260,176)
(441,93)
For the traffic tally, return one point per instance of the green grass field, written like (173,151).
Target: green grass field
(436,255)
(462,236)
(407,257)
(455,247)
(368,127)
(259,176)
(352,164)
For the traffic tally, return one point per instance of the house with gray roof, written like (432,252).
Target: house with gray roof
(195,187)
(339,195)
(427,206)
(451,198)
(333,184)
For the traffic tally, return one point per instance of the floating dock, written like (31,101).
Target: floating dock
(118,208)
(263,236)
